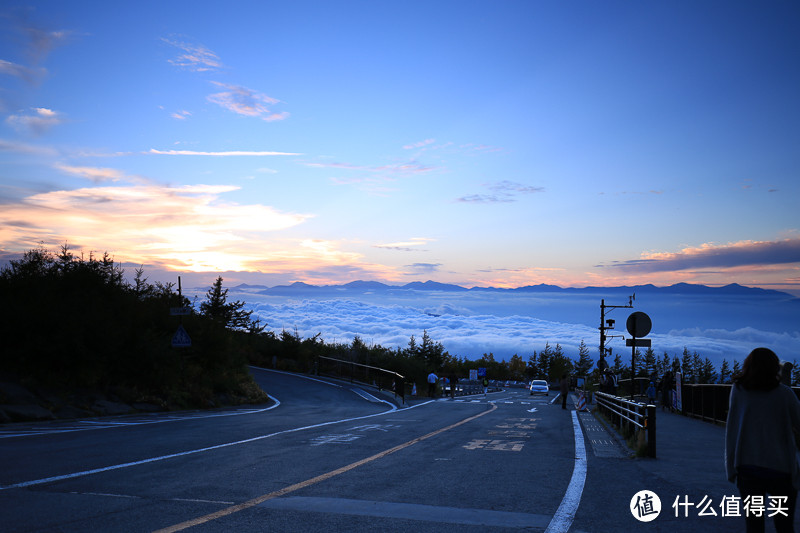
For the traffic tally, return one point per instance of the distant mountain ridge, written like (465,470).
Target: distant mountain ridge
(361,287)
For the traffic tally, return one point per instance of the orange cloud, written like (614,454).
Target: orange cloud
(187,227)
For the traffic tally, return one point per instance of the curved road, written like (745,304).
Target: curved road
(323,457)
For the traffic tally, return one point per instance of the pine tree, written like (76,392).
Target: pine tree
(650,362)
(707,372)
(697,366)
(725,372)
(413,349)
(534,371)
(231,315)
(584,363)
(618,367)
(687,370)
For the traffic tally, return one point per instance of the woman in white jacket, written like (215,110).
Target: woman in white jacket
(760,449)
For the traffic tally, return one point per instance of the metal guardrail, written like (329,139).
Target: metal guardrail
(380,378)
(709,401)
(640,415)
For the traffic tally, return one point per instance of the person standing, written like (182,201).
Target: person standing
(453,381)
(485,386)
(651,393)
(432,379)
(760,449)
(564,389)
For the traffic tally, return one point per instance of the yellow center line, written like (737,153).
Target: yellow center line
(314,480)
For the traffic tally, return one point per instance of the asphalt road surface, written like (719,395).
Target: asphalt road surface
(329,457)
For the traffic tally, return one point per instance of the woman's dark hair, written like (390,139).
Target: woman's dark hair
(760,371)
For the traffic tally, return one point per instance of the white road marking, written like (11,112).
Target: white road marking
(129,420)
(181,454)
(565,514)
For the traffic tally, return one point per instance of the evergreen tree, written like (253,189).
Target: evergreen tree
(545,357)
(686,366)
(413,349)
(618,367)
(736,369)
(707,372)
(725,372)
(697,367)
(676,365)
(231,315)
(534,370)
(665,364)
(650,362)
(432,352)
(584,363)
(559,364)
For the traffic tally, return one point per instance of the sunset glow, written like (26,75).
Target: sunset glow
(504,145)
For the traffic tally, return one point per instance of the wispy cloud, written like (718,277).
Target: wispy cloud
(411,245)
(181,115)
(195,57)
(29,74)
(503,191)
(247,102)
(24,148)
(37,121)
(94,174)
(233,153)
(419,144)
(739,254)
(424,268)
(405,167)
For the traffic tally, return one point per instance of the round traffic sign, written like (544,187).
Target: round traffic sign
(638,324)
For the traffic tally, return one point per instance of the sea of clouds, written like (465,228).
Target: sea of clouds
(470,324)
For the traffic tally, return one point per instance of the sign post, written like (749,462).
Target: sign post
(181,339)
(638,325)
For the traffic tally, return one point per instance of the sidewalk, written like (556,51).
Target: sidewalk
(690,452)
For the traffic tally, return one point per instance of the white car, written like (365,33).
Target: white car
(539,386)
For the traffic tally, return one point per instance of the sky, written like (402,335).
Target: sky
(503,143)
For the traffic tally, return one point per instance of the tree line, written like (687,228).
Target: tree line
(71,322)
(74,323)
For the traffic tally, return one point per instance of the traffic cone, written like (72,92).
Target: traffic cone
(581,402)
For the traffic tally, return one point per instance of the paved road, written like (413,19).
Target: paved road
(332,457)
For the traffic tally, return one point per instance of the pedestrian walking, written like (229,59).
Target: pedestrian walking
(432,379)
(485,386)
(760,449)
(564,389)
(651,393)
(453,381)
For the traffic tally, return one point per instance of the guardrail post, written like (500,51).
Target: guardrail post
(651,431)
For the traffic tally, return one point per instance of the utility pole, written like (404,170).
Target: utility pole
(606,325)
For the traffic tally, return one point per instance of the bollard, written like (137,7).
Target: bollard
(651,431)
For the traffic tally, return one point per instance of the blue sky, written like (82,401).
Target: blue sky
(479,143)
